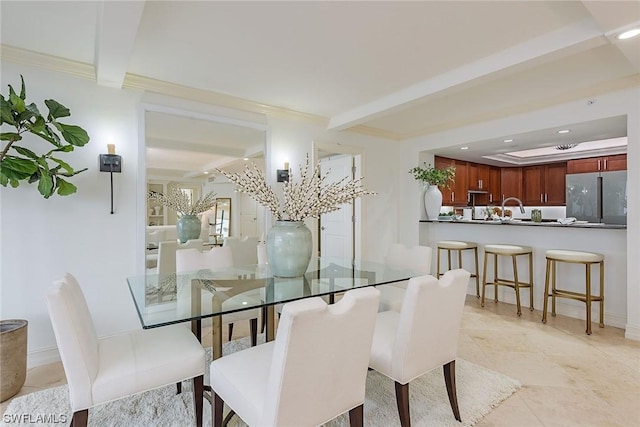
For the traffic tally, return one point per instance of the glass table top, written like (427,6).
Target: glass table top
(166,299)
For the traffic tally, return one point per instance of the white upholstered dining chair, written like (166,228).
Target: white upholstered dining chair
(422,336)
(219,257)
(244,249)
(100,370)
(315,369)
(167,254)
(401,257)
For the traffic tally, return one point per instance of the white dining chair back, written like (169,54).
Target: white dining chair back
(191,260)
(422,336)
(291,382)
(262,253)
(167,254)
(401,257)
(416,258)
(106,369)
(244,249)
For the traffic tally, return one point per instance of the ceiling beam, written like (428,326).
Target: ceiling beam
(546,44)
(117,26)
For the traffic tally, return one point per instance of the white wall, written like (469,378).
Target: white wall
(292,140)
(43,239)
(625,102)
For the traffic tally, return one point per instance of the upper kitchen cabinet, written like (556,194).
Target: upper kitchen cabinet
(494,185)
(478,176)
(544,185)
(485,180)
(457,194)
(598,164)
(510,184)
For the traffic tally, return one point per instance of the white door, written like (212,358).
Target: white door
(248,216)
(336,228)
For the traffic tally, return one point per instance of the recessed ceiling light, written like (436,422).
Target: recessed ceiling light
(508,140)
(245,159)
(564,131)
(629,34)
(464,148)
(206,172)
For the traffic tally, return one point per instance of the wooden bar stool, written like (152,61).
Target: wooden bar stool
(512,251)
(577,257)
(456,245)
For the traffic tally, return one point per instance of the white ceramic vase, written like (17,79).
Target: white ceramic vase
(432,202)
(289,246)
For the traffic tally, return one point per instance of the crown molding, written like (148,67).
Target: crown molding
(376,132)
(132,81)
(47,62)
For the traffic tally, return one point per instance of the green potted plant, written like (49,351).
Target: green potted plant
(434,178)
(19,163)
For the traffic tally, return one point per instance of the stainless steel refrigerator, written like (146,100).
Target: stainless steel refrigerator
(597,197)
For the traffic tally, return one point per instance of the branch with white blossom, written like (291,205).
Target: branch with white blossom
(179,201)
(253,183)
(311,196)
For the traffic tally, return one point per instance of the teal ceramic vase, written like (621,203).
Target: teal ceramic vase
(289,247)
(188,227)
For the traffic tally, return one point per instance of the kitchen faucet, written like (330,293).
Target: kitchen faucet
(512,198)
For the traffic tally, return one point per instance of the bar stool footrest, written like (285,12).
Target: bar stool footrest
(509,283)
(561,293)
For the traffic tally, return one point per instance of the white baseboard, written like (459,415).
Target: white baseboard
(632,332)
(42,357)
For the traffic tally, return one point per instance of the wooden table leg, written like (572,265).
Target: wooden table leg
(271,323)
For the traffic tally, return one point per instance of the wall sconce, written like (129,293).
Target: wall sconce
(111,163)
(283,174)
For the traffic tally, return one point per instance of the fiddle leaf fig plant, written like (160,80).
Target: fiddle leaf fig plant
(19,163)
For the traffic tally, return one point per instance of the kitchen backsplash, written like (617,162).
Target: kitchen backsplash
(548,212)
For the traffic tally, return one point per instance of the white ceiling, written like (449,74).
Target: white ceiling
(393,69)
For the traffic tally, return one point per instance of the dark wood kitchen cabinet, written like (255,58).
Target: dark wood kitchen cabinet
(510,184)
(544,185)
(457,193)
(478,176)
(598,164)
(494,185)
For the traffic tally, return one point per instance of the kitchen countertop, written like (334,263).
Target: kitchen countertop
(520,223)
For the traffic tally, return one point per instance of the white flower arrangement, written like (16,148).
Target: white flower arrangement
(179,201)
(311,197)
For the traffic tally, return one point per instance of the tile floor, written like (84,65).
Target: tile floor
(568,378)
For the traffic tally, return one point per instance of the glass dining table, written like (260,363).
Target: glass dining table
(162,300)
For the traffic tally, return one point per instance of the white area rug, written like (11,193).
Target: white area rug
(479,390)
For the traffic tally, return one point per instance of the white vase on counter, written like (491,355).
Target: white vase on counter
(432,202)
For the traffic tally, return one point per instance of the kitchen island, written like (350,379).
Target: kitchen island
(607,239)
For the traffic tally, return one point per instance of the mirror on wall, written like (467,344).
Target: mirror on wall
(183,150)
(220,224)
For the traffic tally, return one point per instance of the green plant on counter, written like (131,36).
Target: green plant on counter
(434,176)
(18,163)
